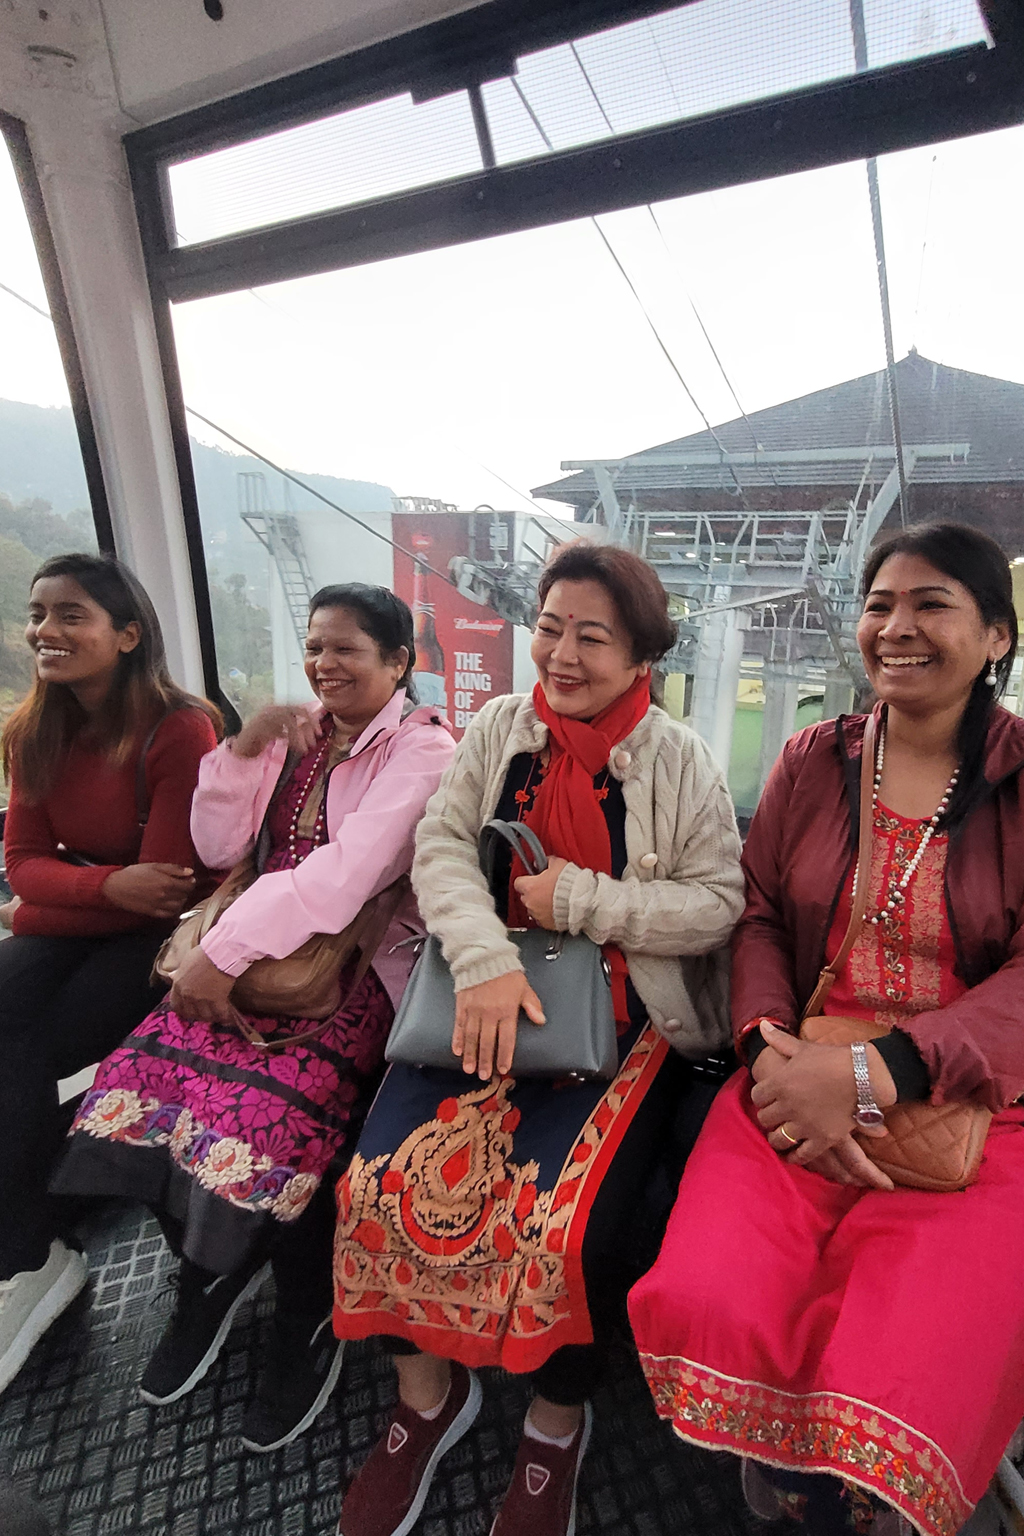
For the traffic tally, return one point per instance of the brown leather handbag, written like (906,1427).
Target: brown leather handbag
(925,1146)
(303,985)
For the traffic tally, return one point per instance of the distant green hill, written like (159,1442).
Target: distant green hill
(39,458)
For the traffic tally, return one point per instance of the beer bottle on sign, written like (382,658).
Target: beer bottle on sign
(429,665)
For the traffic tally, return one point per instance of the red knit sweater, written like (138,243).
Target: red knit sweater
(91,810)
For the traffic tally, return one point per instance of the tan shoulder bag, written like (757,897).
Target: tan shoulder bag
(926,1146)
(303,985)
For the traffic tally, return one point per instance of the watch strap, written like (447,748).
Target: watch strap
(867,1112)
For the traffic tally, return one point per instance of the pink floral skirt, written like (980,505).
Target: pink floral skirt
(191,1119)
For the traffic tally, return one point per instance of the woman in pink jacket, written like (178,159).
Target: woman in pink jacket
(229,1145)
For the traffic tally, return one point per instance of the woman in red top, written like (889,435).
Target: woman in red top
(102,758)
(860,1345)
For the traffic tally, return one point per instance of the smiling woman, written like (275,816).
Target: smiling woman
(484,1218)
(103,757)
(780,1193)
(228,1138)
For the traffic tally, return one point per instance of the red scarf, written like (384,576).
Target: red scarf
(567,814)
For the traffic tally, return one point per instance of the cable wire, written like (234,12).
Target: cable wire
(22,300)
(634,291)
(654,218)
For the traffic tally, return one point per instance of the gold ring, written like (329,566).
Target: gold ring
(796,1140)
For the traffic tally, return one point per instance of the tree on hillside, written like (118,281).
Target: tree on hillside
(244,655)
(36,526)
(17,567)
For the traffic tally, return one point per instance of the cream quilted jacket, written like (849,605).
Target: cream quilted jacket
(675,905)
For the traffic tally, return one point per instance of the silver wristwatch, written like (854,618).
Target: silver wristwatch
(867,1112)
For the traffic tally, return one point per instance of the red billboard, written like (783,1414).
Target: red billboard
(463,648)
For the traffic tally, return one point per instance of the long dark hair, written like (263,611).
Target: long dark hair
(978,563)
(381,615)
(40,732)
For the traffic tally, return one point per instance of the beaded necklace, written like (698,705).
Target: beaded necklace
(898,888)
(321,815)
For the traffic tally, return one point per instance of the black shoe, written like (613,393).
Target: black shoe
(302,1369)
(199,1324)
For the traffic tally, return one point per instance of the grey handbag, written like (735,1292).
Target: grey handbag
(567,971)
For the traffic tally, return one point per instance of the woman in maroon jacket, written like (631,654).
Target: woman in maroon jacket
(862,1346)
(102,758)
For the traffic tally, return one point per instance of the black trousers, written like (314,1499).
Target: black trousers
(625,1224)
(64,1003)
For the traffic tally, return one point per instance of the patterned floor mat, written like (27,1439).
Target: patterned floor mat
(77,1438)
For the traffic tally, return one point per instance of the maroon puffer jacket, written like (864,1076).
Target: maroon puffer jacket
(801,848)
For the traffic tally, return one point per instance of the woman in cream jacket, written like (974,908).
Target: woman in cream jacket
(481,1220)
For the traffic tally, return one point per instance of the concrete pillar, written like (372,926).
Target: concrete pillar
(838,696)
(716,681)
(781,696)
(57,78)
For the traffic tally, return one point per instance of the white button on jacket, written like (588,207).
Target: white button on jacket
(648,861)
(622,759)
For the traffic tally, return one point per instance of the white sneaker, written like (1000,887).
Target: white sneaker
(31,1301)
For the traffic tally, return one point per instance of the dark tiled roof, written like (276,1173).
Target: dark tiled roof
(937,405)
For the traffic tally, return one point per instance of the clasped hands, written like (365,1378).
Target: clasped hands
(809,1089)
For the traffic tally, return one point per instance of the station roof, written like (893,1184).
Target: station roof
(981,419)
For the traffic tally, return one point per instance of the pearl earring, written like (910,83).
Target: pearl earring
(991,676)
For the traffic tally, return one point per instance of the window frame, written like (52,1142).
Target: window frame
(957,94)
(15,135)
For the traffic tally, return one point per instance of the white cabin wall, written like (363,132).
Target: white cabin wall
(169,56)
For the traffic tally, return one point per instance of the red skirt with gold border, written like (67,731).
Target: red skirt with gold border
(876,1336)
(462,1214)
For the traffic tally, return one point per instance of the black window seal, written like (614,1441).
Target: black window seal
(453,53)
(16,137)
(967,91)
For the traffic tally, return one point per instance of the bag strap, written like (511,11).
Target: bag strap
(521,839)
(374,919)
(858,911)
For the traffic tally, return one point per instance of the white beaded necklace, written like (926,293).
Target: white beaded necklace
(897,892)
(321,815)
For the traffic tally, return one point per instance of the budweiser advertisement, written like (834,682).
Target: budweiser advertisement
(463,649)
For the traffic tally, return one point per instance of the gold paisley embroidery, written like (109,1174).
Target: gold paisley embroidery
(450,1232)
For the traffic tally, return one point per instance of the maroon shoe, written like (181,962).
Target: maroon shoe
(387,1494)
(541,1498)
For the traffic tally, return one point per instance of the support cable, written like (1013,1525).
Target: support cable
(22,300)
(640,303)
(654,219)
(860,56)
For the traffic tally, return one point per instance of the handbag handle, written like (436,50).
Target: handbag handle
(858,911)
(521,839)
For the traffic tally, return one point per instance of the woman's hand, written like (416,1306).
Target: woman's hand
(200,991)
(486,1018)
(848,1163)
(807,1106)
(271,724)
(537,893)
(154,890)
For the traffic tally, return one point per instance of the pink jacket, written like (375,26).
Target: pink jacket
(375,798)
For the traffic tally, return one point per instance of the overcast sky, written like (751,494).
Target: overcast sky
(448,373)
